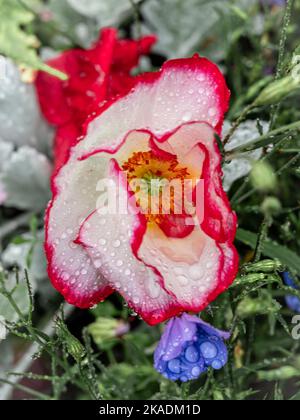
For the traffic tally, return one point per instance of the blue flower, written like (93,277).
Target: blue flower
(293,302)
(188,347)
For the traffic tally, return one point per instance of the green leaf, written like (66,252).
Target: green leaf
(262,305)
(105,309)
(15,40)
(272,137)
(282,373)
(271,249)
(19,240)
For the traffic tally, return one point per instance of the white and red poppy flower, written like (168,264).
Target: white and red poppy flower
(162,264)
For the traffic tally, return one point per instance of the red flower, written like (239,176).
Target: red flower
(162,263)
(95,76)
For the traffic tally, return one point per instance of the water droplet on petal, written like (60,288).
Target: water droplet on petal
(174,365)
(208,350)
(117,243)
(191,354)
(196,371)
(212,112)
(194,272)
(182,280)
(217,364)
(187,117)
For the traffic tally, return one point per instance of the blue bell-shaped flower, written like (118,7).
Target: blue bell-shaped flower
(188,347)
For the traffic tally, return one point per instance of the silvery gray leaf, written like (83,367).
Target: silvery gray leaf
(181,25)
(15,255)
(26,177)
(6,150)
(242,165)
(7,356)
(21,122)
(106,12)
(79,28)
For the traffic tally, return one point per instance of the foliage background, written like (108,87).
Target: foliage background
(107,352)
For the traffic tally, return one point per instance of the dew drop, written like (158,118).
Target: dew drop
(187,117)
(72,245)
(174,365)
(182,280)
(208,350)
(194,272)
(117,243)
(212,112)
(217,364)
(191,354)
(196,371)
(201,78)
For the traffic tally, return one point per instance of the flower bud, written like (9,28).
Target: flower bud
(74,347)
(249,307)
(264,266)
(263,177)
(280,374)
(271,206)
(106,330)
(249,279)
(278,90)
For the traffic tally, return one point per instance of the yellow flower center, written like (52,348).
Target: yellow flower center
(148,175)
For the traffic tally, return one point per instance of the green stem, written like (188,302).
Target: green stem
(281,56)
(262,236)
(29,391)
(279,172)
(283,38)
(250,341)
(241,189)
(264,139)
(237,123)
